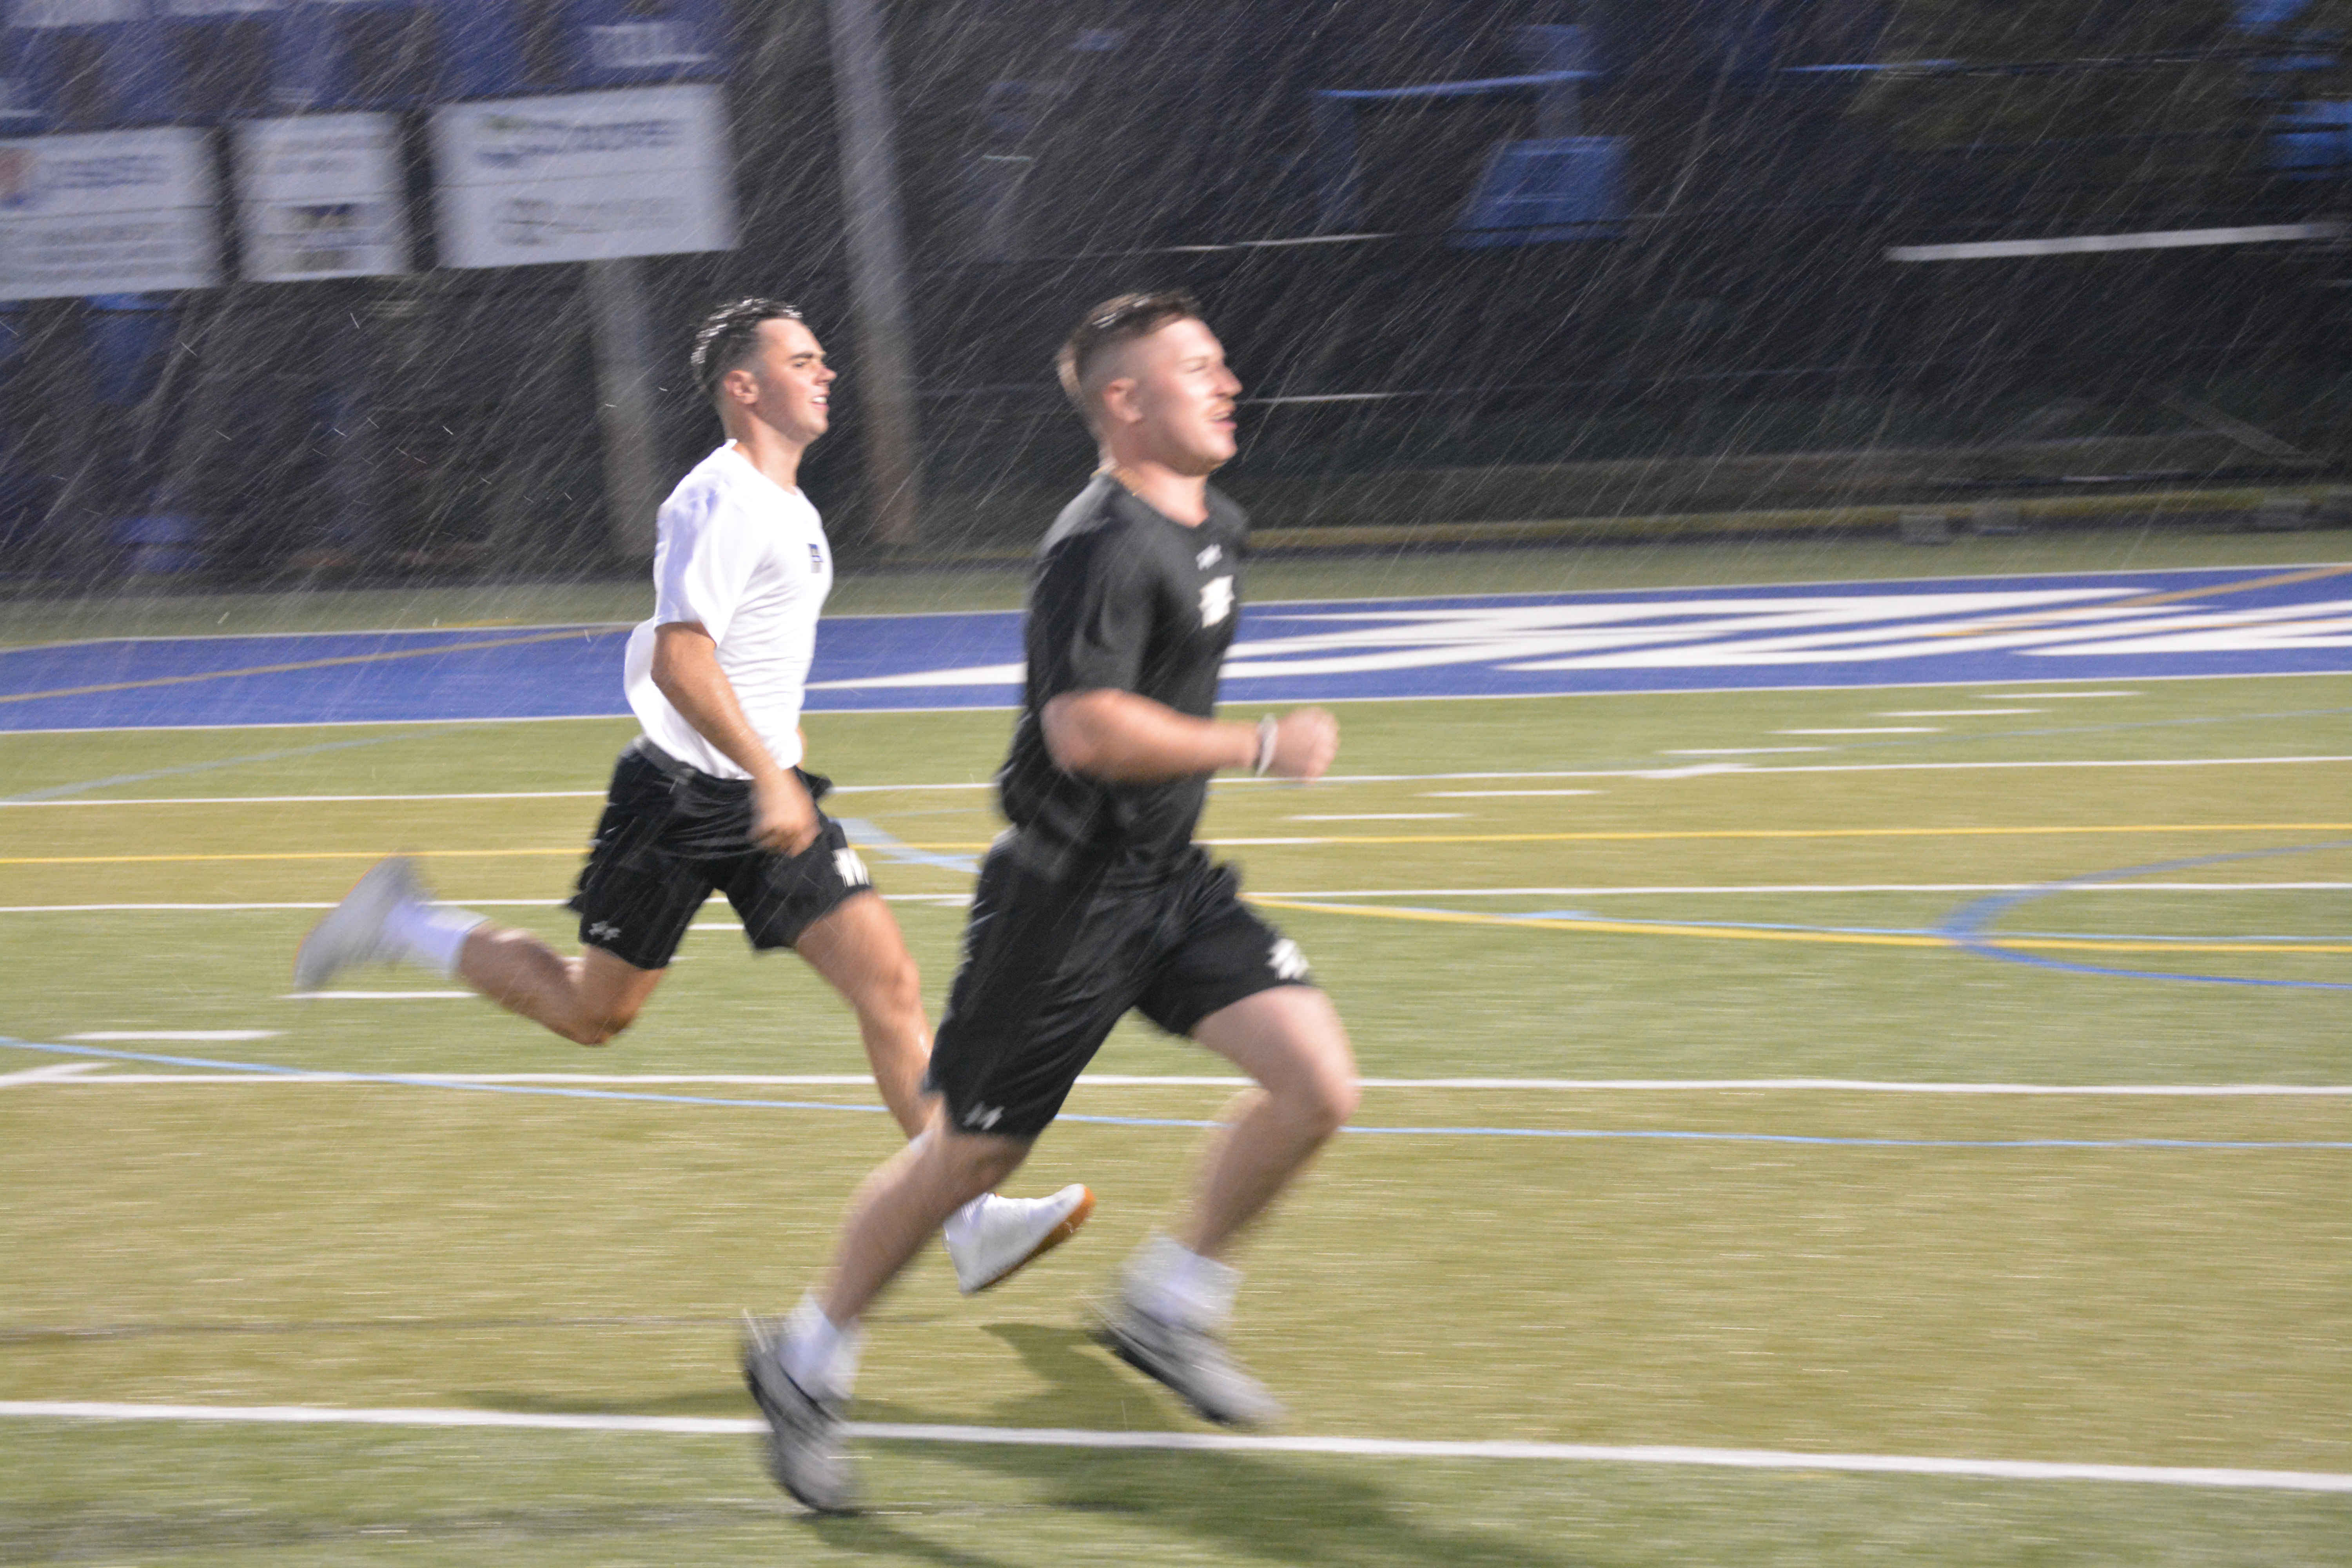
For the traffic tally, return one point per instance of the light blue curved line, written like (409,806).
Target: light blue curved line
(1885,930)
(425,1081)
(866,835)
(418,1080)
(1964,926)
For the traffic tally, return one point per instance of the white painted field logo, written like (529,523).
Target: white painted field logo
(850,869)
(1216,600)
(1287,961)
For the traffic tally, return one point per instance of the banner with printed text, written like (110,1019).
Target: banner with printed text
(321,196)
(583,176)
(107,212)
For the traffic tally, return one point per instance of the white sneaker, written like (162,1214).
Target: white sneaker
(1192,1361)
(991,1238)
(353,931)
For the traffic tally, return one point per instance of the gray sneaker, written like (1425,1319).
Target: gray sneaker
(1192,1361)
(804,1442)
(353,931)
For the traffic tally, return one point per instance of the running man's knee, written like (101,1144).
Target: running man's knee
(597,1026)
(1325,1095)
(1291,1041)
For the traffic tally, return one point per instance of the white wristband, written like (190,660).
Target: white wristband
(1266,734)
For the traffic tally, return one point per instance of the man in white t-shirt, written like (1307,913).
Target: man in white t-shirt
(712,797)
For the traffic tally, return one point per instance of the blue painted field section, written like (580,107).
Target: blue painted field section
(1980,631)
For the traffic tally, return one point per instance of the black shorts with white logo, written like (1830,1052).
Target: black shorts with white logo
(1051,963)
(672,834)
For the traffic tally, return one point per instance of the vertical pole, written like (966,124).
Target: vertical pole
(877,268)
(624,400)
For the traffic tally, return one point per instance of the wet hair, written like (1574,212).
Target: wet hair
(727,334)
(1115,321)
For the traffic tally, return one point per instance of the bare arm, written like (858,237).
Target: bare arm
(1120,737)
(685,670)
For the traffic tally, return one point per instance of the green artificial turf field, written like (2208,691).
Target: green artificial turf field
(2079,1279)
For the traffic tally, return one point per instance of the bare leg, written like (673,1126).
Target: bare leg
(859,950)
(1291,1041)
(588,999)
(902,1206)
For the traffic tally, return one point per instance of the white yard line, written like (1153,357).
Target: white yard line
(1207,1442)
(1142,1080)
(460,794)
(1956,712)
(1489,793)
(1455,697)
(1378,817)
(379,995)
(1327,779)
(1870,730)
(2104,763)
(49,1074)
(2135,886)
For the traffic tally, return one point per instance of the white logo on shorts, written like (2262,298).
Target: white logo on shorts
(1216,600)
(1288,961)
(850,869)
(984,1116)
(603,930)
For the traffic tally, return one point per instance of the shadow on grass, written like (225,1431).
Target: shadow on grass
(1263,1507)
(1267,1507)
(101,1534)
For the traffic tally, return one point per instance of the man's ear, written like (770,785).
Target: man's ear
(740,386)
(1118,403)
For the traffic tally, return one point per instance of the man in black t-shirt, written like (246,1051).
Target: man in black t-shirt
(1096,901)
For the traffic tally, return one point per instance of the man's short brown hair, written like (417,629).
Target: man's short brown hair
(1117,320)
(728,334)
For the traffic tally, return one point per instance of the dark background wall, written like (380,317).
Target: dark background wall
(1740,301)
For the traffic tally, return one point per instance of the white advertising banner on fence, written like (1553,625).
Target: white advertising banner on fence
(584,176)
(107,212)
(321,196)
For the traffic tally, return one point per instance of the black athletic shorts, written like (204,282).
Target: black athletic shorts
(1051,964)
(671,834)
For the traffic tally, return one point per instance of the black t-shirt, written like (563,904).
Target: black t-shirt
(1121,596)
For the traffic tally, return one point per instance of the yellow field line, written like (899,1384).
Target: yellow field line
(304,664)
(1791,833)
(2137,601)
(1742,933)
(1756,833)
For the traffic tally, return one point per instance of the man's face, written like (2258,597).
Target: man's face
(787,381)
(1173,392)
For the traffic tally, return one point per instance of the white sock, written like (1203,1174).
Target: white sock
(430,937)
(818,1355)
(1179,1286)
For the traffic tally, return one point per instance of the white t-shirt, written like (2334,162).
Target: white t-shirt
(748,559)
